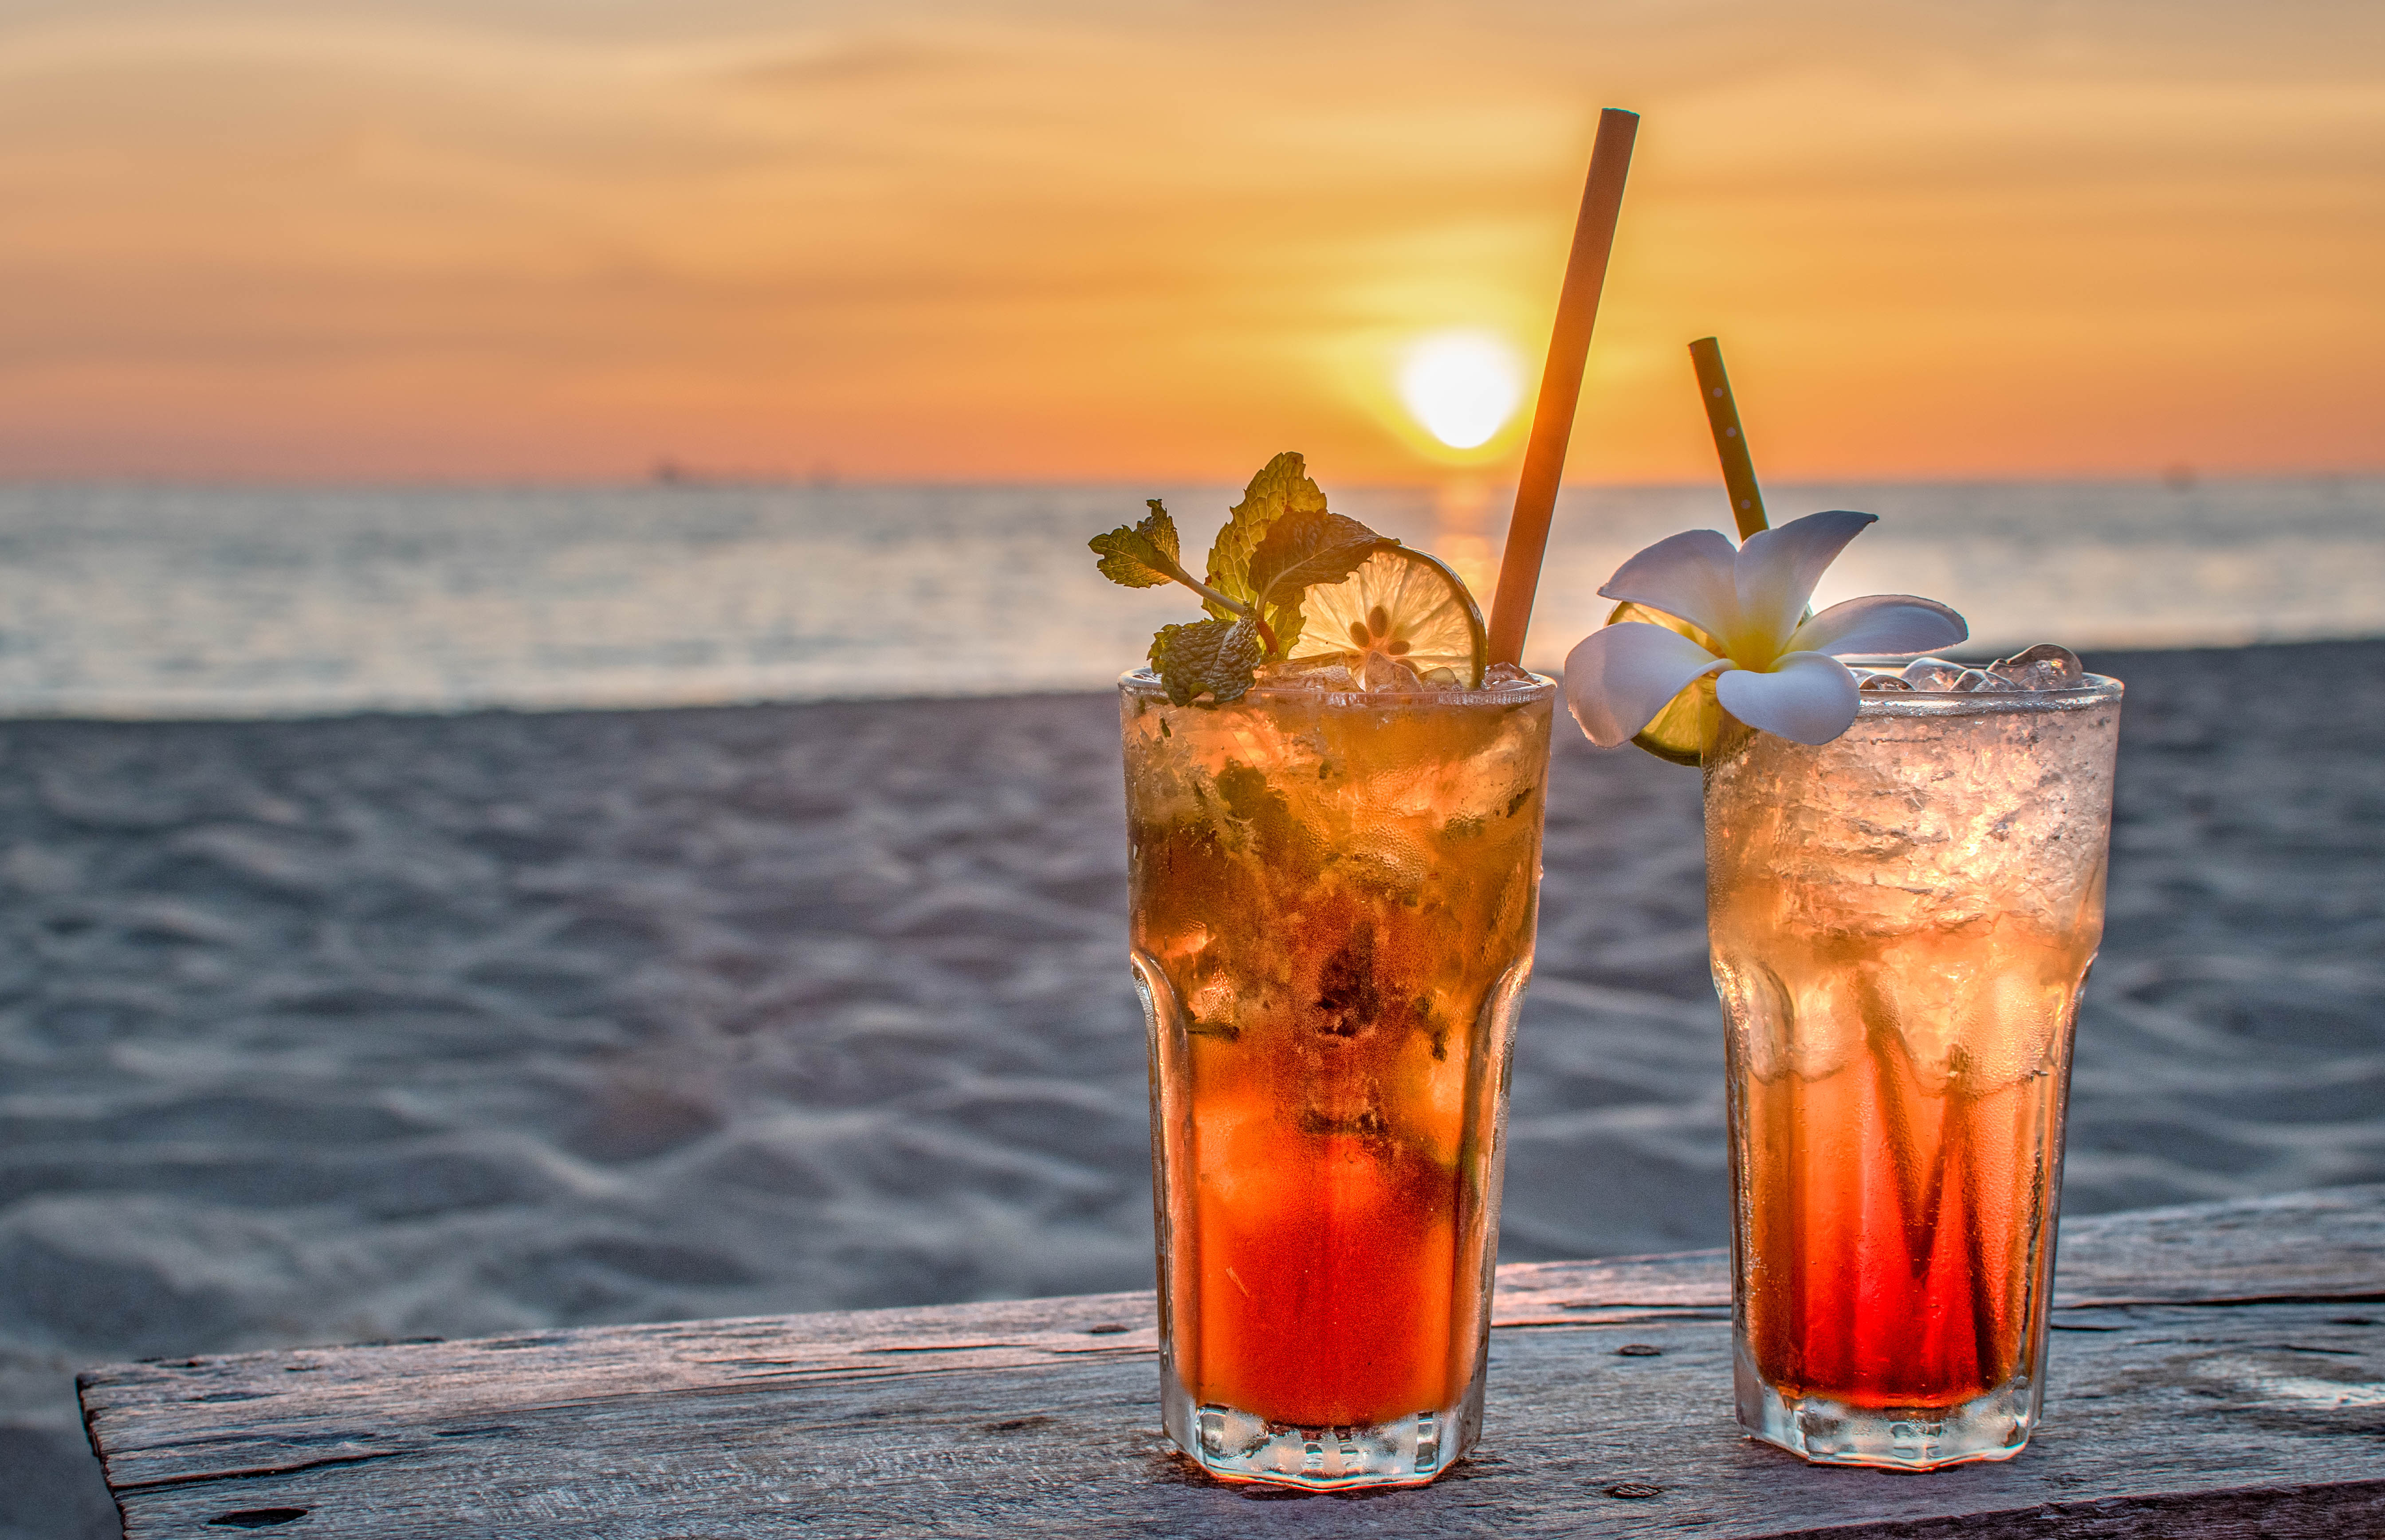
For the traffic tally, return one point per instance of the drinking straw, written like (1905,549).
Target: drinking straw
(1731,444)
(1536,492)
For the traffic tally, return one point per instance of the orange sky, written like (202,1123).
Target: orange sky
(930,239)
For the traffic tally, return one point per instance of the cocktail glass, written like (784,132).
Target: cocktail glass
(1901,922)
(1332,917)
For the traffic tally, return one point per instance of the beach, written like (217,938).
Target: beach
(384,1027)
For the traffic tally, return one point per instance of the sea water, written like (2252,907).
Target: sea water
(148,602)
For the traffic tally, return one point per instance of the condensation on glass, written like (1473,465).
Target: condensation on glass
(1332,916)
(1901,922)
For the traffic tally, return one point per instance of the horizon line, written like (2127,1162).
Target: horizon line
(691,479)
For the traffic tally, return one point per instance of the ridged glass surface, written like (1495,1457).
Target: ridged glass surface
(1333,905)
(1901,923)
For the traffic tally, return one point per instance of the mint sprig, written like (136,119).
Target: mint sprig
(1277,542)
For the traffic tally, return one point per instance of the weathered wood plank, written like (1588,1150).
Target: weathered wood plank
(2326,1245)
(2208,1363)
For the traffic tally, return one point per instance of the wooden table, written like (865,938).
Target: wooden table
(2218,1369)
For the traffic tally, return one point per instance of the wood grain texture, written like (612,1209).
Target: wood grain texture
(2216,1371)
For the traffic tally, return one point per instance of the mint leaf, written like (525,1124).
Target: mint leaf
(1305,547)
(1143,556)
(1312,547)
(1215,656)
(1282,487)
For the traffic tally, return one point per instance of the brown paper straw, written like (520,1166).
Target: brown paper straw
(1536,493)
(1731,444)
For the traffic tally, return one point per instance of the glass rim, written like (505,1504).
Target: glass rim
(2092,690)
(1143,682)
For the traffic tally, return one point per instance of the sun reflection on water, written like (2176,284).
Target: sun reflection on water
(1462,533)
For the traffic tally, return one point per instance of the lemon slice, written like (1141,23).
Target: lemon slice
(1686,728)
(1403,605)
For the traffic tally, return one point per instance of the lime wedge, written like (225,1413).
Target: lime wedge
(1684,729)
(1403,605)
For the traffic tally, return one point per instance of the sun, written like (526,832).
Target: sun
(1462,386)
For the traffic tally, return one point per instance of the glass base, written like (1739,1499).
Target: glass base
(1405,1451)
(1993,1426)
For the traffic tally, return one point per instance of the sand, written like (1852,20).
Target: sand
(399,1027)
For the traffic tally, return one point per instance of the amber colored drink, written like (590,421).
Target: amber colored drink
(1333,907)
(1901,922)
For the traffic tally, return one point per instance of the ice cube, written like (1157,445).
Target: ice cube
(1383,673)
(1388,858)
(1933,674)
(2009,1026)
(2043,667)
(1812,1033)
(1985,683)
(1880,680)
(1308,673)
(1903,1001)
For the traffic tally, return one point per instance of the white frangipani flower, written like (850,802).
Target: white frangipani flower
(1775,671)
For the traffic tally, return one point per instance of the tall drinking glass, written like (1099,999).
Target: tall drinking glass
(1901,921)
(1333,906)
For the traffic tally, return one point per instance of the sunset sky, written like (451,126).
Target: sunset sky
(924,239)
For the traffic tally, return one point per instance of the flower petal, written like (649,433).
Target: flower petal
(1688,575)
(1807,697)
(1888,623)
(1618,678)
(1776,570)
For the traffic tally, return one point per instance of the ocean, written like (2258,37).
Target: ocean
(161,602)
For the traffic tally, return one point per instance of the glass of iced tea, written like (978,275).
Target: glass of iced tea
(1333,899)
(1901,921)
